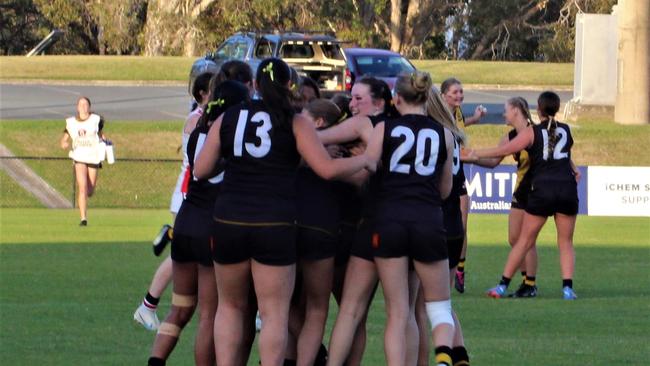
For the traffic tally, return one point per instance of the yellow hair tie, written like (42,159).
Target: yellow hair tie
(219,102)
(343,117)
(269,69)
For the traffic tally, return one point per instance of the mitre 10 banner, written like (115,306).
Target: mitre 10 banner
(602,190)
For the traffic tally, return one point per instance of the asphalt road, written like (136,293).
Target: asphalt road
(146,103)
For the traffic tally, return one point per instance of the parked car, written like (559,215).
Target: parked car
(317,56)
(382,64)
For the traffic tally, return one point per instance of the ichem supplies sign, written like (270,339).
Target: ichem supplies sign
(602,191)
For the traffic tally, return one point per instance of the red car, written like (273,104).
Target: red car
(382,64)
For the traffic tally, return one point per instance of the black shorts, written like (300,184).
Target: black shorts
(423,241)
(347,233)
(520,197)
(463,190)
(96,166)
(547,198)
(315,244)
(454,248)
(362,246)
(273,245)
(187,249)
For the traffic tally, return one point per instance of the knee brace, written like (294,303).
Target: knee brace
(183,301)
(439,312)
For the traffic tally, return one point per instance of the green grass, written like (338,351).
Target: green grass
(596,142)
(97,68)
(124,184)
(176,69)
(19,196)
(149,184)
(67,293)
(499,72)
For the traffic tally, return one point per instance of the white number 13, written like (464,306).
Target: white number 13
(262,132)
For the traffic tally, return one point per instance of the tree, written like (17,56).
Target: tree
(413,21)
(120,24)
(171,26)
(21,26)
(75,19)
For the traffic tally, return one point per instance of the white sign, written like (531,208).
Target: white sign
(619,191)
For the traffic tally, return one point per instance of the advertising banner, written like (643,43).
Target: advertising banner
(619,191)
(490,190)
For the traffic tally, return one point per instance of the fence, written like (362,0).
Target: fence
(129,183)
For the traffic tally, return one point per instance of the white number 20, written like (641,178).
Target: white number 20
(421,167)
(262,132)
(559,146)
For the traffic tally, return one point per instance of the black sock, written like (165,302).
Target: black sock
(523,275)
(459,356)
(150,300)
(155,361)
(321,357)
(504,281)
(567,283)
(529,281)
(289,362)
(443,355)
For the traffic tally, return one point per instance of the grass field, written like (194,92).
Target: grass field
(67,294)
(148,185)
(176,69)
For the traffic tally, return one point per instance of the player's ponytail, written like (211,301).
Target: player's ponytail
(522,105)
(415,87)
(272,78)
(548,104)
(222,96)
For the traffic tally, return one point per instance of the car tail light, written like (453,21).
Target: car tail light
(348,79)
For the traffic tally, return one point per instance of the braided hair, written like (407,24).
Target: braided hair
(548,104)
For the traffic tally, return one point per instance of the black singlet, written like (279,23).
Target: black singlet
(261,162)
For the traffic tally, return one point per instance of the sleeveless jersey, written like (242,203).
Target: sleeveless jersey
(201,192)
(317,201)
(551,165)
(85,139)
(180,190)
(414,152)
(523,168)
(451,206)
(261,162)
(460,119)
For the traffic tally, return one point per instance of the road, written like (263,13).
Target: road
(146,103)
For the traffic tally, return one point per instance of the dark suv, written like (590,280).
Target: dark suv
(318,56)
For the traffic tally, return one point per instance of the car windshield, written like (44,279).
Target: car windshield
(232,49)
(383,66)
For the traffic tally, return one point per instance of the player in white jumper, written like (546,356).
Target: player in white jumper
(85,131)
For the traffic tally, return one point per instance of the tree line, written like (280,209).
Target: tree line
(532,30)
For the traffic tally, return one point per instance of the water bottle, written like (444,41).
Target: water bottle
(110,154)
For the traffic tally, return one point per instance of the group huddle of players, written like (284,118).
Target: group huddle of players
(289,198)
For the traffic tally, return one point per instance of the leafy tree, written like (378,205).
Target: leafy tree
(75,19)
(21,26)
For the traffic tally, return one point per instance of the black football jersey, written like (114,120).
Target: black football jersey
(547,164)
(261,161)
(451,205)
(202,192)
(414,153)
